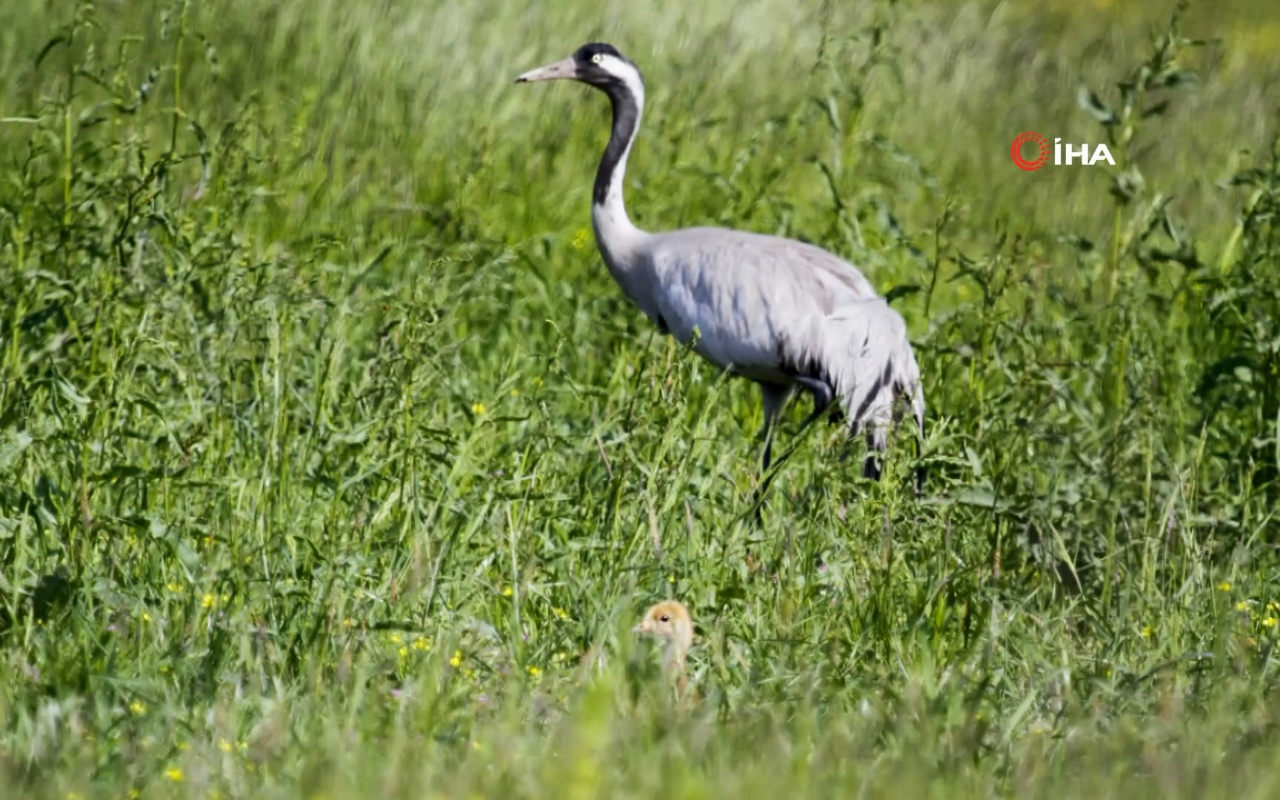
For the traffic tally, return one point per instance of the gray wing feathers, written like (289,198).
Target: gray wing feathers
(746,292)
(866,354)
(774,307)
(778,261)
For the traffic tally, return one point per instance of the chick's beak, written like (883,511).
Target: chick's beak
(565,68)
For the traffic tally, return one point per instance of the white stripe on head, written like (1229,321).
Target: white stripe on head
(625,72)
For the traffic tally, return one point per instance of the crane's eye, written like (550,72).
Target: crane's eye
(598,58)
(665,618)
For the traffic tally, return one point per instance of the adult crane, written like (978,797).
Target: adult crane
(785,314)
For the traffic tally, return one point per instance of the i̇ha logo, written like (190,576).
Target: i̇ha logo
(1043,151)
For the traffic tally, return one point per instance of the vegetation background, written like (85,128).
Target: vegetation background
(333,464)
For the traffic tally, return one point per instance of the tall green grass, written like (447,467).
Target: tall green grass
(332,463)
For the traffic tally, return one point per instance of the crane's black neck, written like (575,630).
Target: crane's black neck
(626,121)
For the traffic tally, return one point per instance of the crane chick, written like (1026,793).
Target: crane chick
(671,622)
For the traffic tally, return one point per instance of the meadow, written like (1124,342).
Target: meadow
(333,464)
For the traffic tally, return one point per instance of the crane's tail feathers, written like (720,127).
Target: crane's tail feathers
(866,355)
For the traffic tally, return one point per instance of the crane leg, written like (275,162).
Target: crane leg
(773,398)
(823,395)
(876,444)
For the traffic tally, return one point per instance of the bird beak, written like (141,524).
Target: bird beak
(640,627)
(566,68)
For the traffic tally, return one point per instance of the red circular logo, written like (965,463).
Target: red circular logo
(1015,152)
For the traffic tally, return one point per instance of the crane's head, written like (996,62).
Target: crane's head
(597,64)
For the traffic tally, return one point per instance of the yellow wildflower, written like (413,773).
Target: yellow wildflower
(456,661)
(174,774)
(138,707)
(224,745)
(507,591)
(534,671)
(477,408)
(1225,586)
(1269,622)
